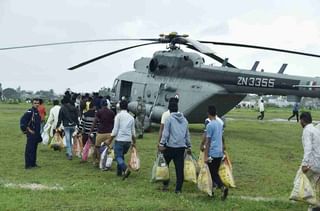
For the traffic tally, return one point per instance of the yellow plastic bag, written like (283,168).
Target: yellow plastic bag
(190,173)
(160,170)
(201,159)
(225,173)
(302,189)
(204,180)
(134,162)
(57,141)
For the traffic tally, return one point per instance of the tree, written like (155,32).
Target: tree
(10,93)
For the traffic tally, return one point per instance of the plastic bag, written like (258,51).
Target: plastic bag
(112,153)
(45,134)
(57,141)
(134,162)
(77,145)
(302,189)
(190,173)
(91,151)
(201,159)
(86,149)
(204,180)
(45,137)
(160,169)
(105,158)
(227,159)
(225,173)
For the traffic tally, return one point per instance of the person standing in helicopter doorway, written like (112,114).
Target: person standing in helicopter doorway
(140,115)
(261,110)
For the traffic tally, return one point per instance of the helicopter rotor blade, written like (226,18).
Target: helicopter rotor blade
(109,54)
(260,47)
(213,56)
(74,42)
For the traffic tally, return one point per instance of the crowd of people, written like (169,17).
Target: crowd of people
(94,119)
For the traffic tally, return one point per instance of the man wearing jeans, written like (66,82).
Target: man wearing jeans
(68,115)
(124,134)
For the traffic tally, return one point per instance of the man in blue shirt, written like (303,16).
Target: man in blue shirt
(214,149)
(295,111)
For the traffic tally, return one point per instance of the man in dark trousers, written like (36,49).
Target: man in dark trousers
(30,125)
(295,112)
(174,141)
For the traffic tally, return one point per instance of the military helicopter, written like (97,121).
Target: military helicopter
(175,73)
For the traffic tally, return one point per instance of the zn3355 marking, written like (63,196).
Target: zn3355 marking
(256,81)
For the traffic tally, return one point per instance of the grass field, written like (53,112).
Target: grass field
(265,154)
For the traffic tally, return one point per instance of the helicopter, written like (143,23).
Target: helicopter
(176,73)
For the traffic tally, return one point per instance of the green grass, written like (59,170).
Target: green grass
(265,157)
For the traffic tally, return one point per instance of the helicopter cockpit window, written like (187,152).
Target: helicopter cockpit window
(153,65)
(115,84)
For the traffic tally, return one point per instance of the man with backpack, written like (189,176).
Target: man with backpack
(30,125)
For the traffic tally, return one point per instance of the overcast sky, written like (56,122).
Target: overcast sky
(289,24)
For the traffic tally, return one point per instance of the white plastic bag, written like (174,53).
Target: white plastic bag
(45,137)
(302,189)
(204,180)
(105,159)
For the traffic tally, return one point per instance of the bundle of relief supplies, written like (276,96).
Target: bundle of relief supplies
(204,180)
(106,157)
(134,162)
(225,171)
(77,144)
(303,189)
(57,140)
(160,170)
(190,172)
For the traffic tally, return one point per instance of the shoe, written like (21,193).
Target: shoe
(126,174)
(36,166)
(28,167)
(69,157)
(178,192)
(225,191)
(165,188)
(140,136)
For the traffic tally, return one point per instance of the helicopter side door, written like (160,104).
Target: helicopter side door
(125,89)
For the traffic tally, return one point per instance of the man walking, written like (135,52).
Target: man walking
(174,141)
(124,134)
(261,110)
(104,118)
(68,115)
(311,153)
(214,149)
(295,111)
(53,116)
(30,124)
